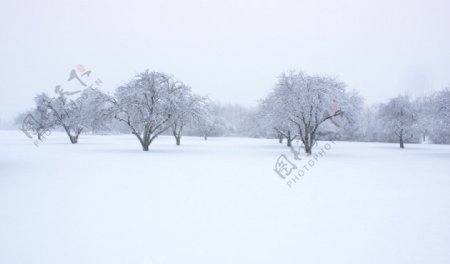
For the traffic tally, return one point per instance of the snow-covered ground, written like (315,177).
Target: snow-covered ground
(220,201)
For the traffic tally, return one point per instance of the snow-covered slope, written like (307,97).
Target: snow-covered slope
(220,201)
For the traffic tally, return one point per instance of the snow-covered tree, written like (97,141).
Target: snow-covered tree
(426,116)
(40,120)
(97,109)
(209,121)
(308,102)
(371,127)
(349,125)
(439,113)
(187,110)
(74,116)
(273,114)
(399,117)
(147,105)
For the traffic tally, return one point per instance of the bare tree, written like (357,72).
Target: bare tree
(187,110)
(399,117)
(209,121)
(307,102)
(273,114)
(97,110)
(71,115)
(439,117)
(38,121)
(147,105)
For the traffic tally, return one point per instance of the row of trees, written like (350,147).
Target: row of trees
(402,119)
(301,107)
(148,105)
(308,108)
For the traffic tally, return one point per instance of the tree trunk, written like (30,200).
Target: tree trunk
(174,133)
(289,142)
(145,143)
(308,142)
(401,140)
(289,139)
(205,137)
(177,134)
(144,140)
(73,139)
(145,147)
(280,138)
(308,149)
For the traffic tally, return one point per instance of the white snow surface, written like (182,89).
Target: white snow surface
(218,201)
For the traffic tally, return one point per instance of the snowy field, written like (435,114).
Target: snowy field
(220,201)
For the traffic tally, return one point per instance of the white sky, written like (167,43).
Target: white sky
(231,50)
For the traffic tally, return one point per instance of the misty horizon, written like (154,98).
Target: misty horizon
(229,50)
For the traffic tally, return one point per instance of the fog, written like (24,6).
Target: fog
(231,50)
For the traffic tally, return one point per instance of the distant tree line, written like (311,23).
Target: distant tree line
(301,107)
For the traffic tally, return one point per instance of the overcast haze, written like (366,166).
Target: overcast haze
(230,50)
